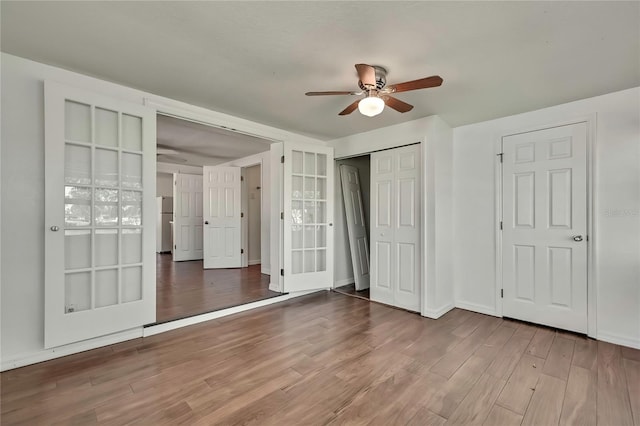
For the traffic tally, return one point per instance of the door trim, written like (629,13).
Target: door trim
(591,122)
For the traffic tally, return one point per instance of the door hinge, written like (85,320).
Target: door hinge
(241,178)
(241,251)
(175,247)
(501,225)
(282,159)
(241,214)
(502,293)
(281,215)
(282,272)
(500,155)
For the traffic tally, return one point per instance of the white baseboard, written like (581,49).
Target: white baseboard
(343,282)
(481,309)
(265,270)
(172,325)
(437,313)
(619,340)
(73,348)
(254,262)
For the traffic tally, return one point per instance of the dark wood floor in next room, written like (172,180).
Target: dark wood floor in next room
(326,358)
(185,289)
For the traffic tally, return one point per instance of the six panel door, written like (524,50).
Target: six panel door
(187,217)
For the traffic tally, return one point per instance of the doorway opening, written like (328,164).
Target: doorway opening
(352,230)
(185,285)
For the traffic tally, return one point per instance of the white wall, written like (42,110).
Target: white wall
(164,185)
(436,138)
(343,266)
(253,178)
(22,180)
(616,237)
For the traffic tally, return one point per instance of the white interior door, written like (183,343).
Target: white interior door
(187,217)
(395,227)
(545,223)
(356,225)
(99,215)
(222,217)
(308,217)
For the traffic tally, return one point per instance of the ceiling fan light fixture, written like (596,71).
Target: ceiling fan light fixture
(371,106)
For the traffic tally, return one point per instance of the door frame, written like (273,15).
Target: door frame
(244,194)
(590,121)
(422,141)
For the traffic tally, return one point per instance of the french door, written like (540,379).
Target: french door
(99,215)
(308,216)
(545,222)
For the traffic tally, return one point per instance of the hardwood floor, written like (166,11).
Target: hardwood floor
(328,359)
(350,290)
(185,289)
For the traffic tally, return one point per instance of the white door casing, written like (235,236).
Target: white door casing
(396,254)
(99,215)
(187,217)
(222,221)
(308,217)
(356,225)
(544,238)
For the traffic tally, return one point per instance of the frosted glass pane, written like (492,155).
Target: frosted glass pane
(132,208)
(131,170)
(77,249)
(321,236)
(296,165)
(106,247)
(309,261)
(106,127)
(77,122)
(321,260)
(309,212)
(106,167)
(322,164)
(77,292)
(321,188)
(309,188)
(77,206)
(106,288)
(309,163)
(131,284)
(296,236)
(309,236)
(131,246)
(296,261)
(296,187)
(321,212)
(77,164)
(296,212)
(131,132)
(106,207)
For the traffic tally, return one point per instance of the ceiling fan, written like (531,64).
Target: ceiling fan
(372,81)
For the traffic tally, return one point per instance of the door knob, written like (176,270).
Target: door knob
(577,238)
(55,228)
(206,222)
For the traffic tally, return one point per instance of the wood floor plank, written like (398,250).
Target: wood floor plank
(579,407)
(545,407)
(613,398)
(475,407)
(632,368)
(517,393)
(499,416)
(630,353)
(541,342)
(508,357)
(424,417)
(585,353)
(559,358)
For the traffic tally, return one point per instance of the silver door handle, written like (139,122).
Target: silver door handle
(577,238)
(55,228)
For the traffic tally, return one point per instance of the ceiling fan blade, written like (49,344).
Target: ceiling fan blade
(350,108)
(397,104)
(422,83)
(366,74)
(331,93)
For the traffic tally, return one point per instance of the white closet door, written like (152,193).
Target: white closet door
(545,224)
(356,225)
(308,217)
(222,217)
(395,227)
(187,217)
(99,215)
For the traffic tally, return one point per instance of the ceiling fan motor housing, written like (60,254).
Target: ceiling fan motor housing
(381,78)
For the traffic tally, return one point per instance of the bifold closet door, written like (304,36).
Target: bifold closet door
(395,227)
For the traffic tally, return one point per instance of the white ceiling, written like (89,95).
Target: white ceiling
(194,144)
(257,59)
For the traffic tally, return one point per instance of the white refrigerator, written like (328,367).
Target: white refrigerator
(164,239)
